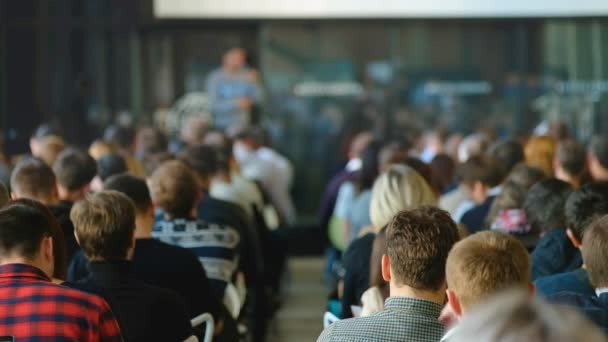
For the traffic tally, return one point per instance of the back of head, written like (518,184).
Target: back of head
(418,243)
(133,187)
(150,140)
(595,253)
(74,169)
(109,165)
(544,204)
(399,188)
(359,143)
(525,175)
(473,145)
(392,153)
(540,151)
(100,148)
(443,169)
(45,130)
(34,179)
(507,153)
(571,157)
(121,135)
(514,316)
(480,169)
(202,159)
(174,189)
(49,149)
(369,166)
(585,205)
(483,264)
(22,229)
(104,223)
(599,150)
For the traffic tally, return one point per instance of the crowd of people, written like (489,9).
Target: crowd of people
(132,239)
(470,238)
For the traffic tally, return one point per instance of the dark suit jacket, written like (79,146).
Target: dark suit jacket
(575,281)
(594,307)
(474,219)
(145,313)
(555,254)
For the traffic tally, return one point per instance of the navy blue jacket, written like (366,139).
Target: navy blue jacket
(554,254)
(474,219)
(575,281)
(594,307)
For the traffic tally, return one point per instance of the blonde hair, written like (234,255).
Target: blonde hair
(100,148)
(540,151)
(399,188)
(485,263)
(50,148)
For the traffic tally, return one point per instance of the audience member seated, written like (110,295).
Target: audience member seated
(583,206)
(418,242)
(33,308)
(481,178)
(514,316)
(42,132)
(373,299)
(570,163)
(49,149)
(540,152)
(105,229)
(100,148)
(108,165)
(352,204)
(595,258)
(259,162)
(507,213)
(399,188)
(155,262)
(480,266)
(174,190)
(598,158)
(456,201)
(544,206)
(443,169)
(123,137)
(34,179)
(149,140)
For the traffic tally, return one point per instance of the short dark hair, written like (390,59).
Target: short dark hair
(22,228)
(32,177)
(418,243)
(586,205)
(110,164)
(202,159)
(121,135)
(595,253)
(544,205)
(174,188)
(599,148)
(74,169)
(104,223)
(134,187)
(507,153)
(369,166)
(572,157)
(45,130)
(480,169)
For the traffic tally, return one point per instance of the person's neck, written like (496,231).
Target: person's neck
(70,196)
(21,260)
(143,228)
(409,292)
(222,177)
(600,175)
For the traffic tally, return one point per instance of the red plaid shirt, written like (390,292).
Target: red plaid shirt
(32,308)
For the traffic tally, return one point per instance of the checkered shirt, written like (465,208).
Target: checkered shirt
(403,319)
(33,309)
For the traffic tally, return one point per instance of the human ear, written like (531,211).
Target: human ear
(386,268)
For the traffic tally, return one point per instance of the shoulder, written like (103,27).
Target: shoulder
(80,293)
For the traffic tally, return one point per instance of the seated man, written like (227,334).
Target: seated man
(105,228)
(155,262)
(480,266)
(583,206)
(481,177)
(32,308)
(418,243)
(570,163)
(595,256)
(544,207)
(34,179)
(174,190)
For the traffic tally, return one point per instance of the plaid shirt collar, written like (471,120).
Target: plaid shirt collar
(417,306)
(21,272)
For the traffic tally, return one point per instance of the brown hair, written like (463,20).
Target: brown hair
(59,247)
(104,223)
(539,152)
(174,188)
(33,178)
(74,169)
(480,169)
(595,254)
(484,263)
(418,243)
